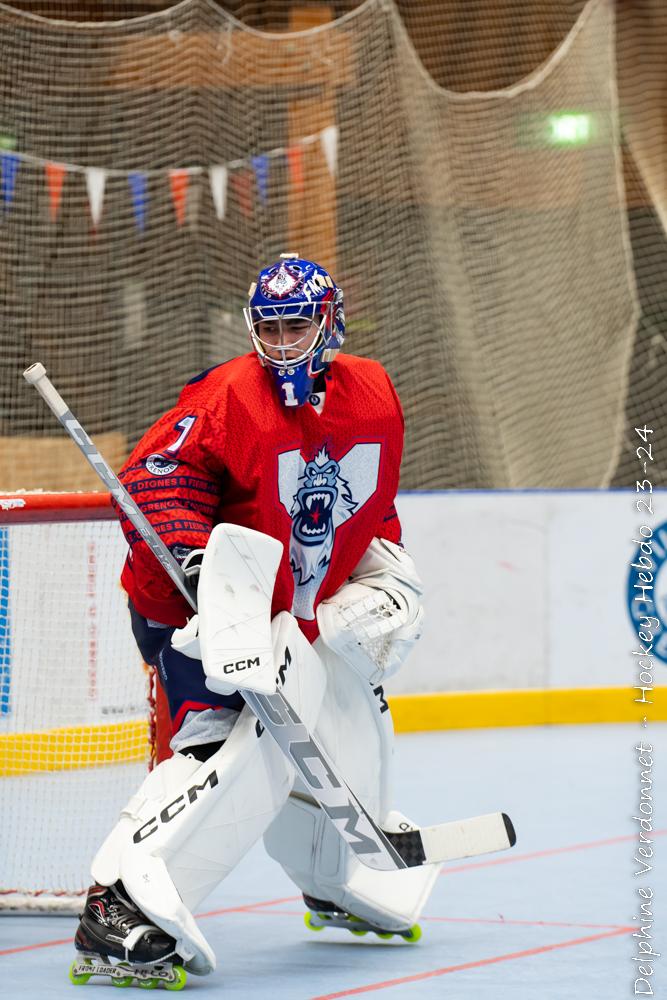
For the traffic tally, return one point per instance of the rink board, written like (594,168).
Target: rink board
(527,621)
(528,590)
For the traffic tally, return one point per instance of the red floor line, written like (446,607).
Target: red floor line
(512,858)
(484,920)
(31,947)
(248,908)
(473,920)
(471,965)
(525,923)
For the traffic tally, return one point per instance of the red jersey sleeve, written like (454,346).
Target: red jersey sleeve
(174,475)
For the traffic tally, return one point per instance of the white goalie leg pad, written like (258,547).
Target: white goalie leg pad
(356,730)
(190,823)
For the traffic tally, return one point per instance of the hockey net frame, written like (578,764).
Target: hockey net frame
(29,748)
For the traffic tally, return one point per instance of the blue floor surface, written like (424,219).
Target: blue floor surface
(551,919)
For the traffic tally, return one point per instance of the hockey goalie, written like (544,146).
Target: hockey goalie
(272,481)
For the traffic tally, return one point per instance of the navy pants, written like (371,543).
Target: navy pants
(181,677)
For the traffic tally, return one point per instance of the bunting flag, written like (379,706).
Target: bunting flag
(244,175)
(260,164)
(96,179)
(9,165)
(295,165)
(218,180)
(241,181)
(178,182)
(329,140)
(55,176)
(139,187)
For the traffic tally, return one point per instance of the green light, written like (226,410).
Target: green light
(568,129)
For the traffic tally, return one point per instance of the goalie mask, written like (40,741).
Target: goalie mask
(297,324)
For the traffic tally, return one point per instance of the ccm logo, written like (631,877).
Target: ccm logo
(174,808)
(230,668)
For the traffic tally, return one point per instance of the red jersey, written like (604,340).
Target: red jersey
(321,483)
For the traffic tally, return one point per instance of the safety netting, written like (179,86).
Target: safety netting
(149,165)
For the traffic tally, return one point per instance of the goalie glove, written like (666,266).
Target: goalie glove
(186,640)
(375,619)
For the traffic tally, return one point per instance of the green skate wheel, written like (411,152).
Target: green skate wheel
(149,984)
(308,921)
(122,982)
(181,978)
(385,935)
(413,935)
(81,978)
(358,933)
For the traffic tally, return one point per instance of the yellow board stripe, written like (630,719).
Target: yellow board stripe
(531,707)
(73,747)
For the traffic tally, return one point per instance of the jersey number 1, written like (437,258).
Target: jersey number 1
(184,426)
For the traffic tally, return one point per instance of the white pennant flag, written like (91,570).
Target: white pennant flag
(218,179)
(329,140)
(96,179)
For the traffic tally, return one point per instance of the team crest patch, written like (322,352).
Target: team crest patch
(320,495)
(647,589)
(160,465)
(281,282)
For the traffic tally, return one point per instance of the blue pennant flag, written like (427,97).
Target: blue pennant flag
(9,165)
(260,165)
(139,187)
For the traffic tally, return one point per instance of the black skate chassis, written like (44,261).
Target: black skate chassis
(323,914)
(172,977)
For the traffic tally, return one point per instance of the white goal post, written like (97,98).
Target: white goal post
(77,725)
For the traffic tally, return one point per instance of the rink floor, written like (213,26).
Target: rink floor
(551,919)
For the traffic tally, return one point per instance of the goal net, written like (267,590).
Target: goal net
(150,165)
(75,734)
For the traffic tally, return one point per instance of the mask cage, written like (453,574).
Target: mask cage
(317,335)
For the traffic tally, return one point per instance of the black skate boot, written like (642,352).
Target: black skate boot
(322,913)
(113,927)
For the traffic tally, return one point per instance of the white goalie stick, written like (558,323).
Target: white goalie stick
(374,847)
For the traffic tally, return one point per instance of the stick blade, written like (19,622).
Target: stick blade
(467,838)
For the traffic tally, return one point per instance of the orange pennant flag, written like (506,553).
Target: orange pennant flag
(55,176)
(295,162)
(178,181)
(242,184)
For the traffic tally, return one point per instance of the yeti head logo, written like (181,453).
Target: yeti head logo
(319,495)
(323,500)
